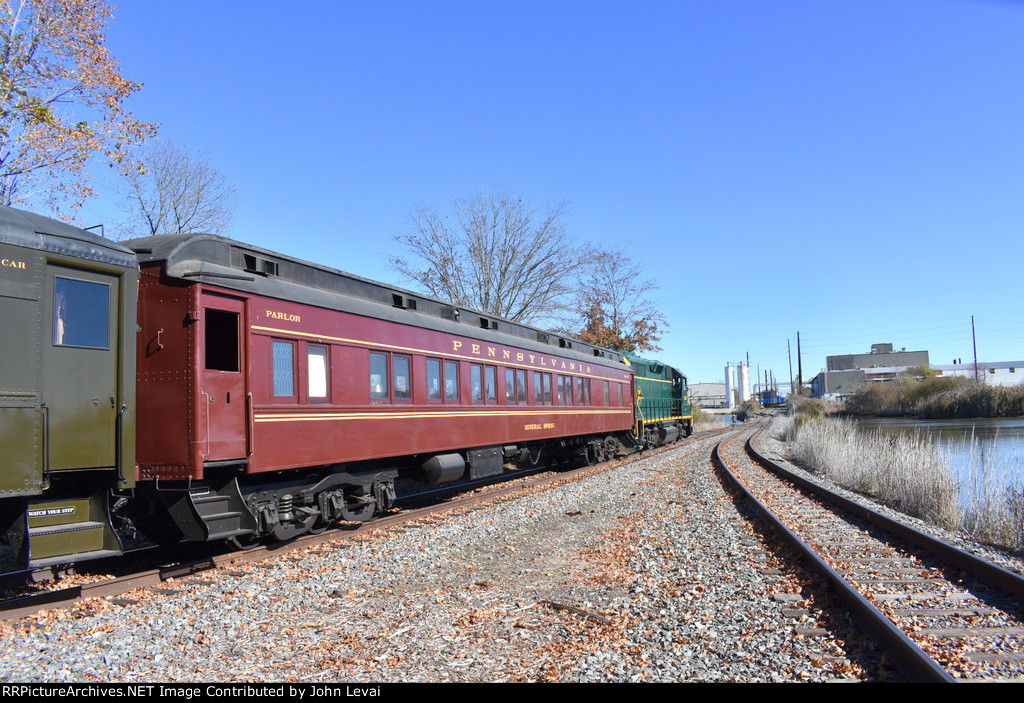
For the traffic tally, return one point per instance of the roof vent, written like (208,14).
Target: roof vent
(400,301)
(256,264)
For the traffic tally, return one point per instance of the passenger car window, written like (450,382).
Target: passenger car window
(490,384)
(476,383)
(433,379)
(318,374)
(284,368)
(81,313)
(403,381)
(451,380)
(378,375)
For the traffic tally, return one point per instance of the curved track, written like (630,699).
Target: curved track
(942,614)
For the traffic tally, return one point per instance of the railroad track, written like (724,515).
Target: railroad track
(941,614)
(24,604)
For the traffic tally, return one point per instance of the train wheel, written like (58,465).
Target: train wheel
(242,542)
(319,527)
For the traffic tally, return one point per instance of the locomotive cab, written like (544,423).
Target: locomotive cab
(67,388)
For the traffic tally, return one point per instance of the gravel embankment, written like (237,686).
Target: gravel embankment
(644,573)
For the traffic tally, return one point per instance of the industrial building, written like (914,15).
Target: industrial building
(881,355)
(993,373)
(708,395)
(845,373)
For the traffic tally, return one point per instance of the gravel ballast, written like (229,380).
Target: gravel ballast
(647,572)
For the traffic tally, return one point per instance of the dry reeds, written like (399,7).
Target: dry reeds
(992,494)
(913,474)
(902,471)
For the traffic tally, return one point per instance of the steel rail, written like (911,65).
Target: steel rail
(984,570)
(910,659)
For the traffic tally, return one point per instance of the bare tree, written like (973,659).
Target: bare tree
(496,255)
(62,101)
(176,194)
(617,309)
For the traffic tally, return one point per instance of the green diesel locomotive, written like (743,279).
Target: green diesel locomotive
(663,410)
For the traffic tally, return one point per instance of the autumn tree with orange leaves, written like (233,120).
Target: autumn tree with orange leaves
(62,101)
(616,308)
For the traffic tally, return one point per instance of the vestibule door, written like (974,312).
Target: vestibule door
(222,377)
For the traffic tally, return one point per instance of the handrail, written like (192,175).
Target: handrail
(46,446)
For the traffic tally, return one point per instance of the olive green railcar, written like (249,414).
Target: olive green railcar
(67,387)
(663,408)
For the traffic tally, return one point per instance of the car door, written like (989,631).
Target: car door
(79,389)
(222,377)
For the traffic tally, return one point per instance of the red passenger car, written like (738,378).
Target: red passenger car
(276,396)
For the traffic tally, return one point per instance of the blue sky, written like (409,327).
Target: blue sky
(853,171)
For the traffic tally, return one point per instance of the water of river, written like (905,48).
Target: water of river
(982,447)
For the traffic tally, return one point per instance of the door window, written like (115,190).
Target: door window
(221,340)
(81,313)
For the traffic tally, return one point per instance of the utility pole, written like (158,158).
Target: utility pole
(799,366)
(789,353)
(974,343)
